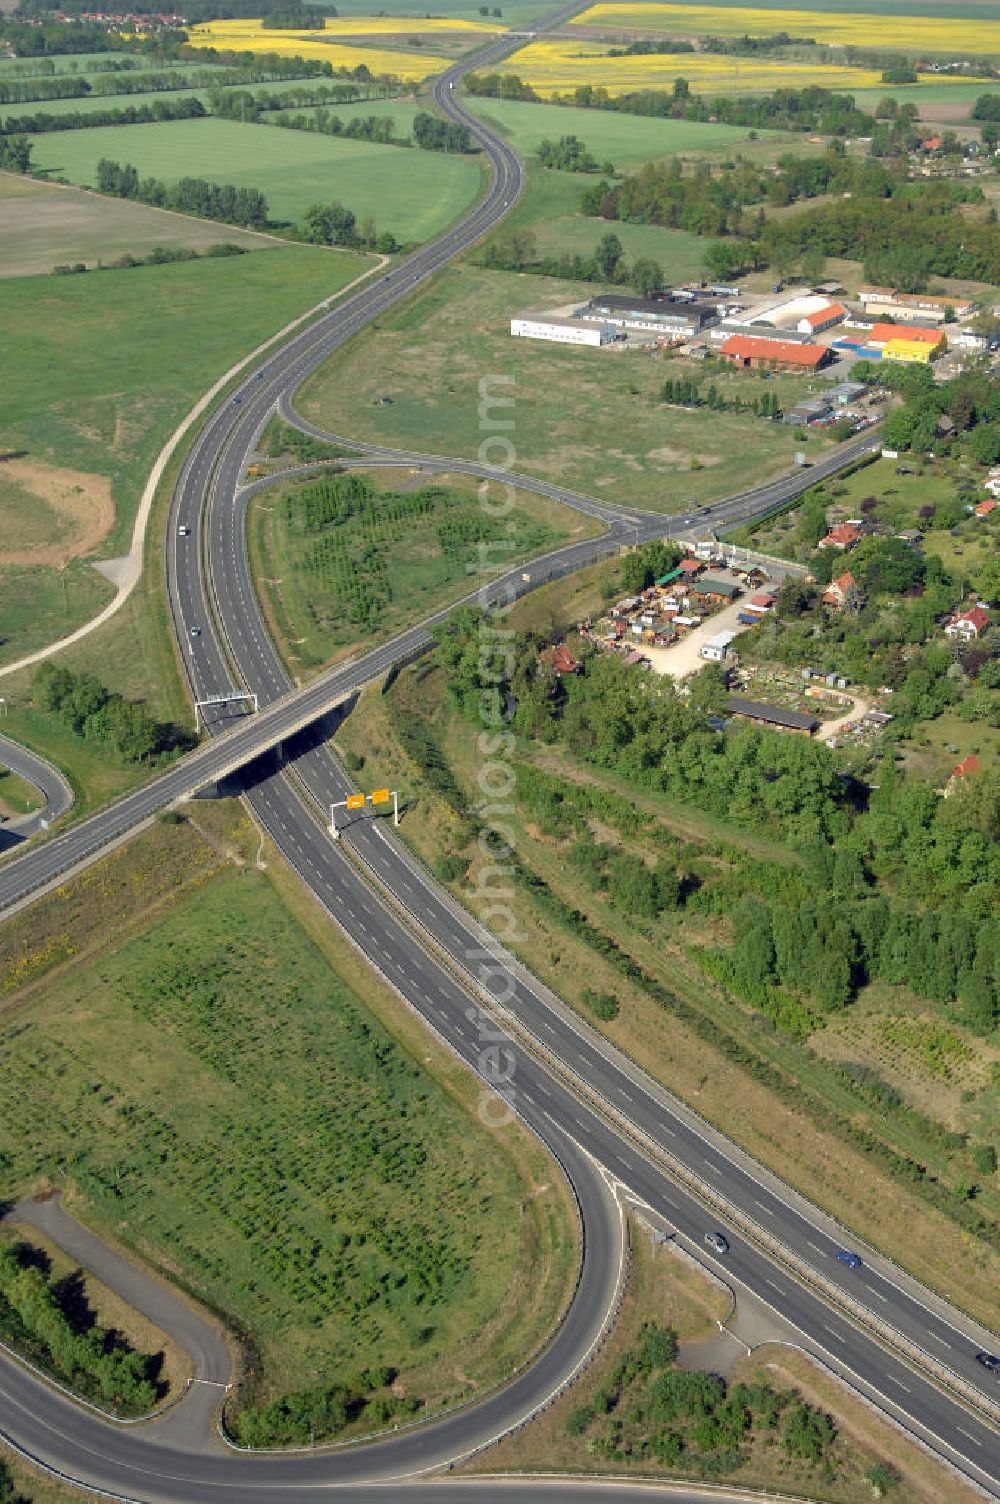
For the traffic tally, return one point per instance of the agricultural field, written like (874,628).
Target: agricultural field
(561,65)
(348,558)
(108,363)
(429,357)
(626,140)
(947,33)
(43,225)
(415,194)
(249,36)
(353,1213)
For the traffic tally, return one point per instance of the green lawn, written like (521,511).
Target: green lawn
(589,418)
(415,194)
(628,140)
(17,795)
(550,211)
(403,551)
(216,1092)
(107,363)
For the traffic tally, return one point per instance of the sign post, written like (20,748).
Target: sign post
(358,801)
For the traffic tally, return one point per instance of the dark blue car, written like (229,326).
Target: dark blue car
(852,1260)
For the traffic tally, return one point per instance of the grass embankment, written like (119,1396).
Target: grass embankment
(17,795)
(605,1411)
(413,193)
(430,355)
(32,1486)
(334,573)
(774,1095)
(178,992)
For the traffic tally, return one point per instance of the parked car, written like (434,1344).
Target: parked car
(852,1260)
(717,1242)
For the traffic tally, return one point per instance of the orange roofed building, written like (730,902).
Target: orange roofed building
(773,354)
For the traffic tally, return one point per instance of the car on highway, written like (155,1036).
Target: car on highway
(717,1242)
(183,531)
(195,631)
(852,1260)
(990,1361)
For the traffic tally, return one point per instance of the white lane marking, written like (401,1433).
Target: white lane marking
(893,1380)
(815,1247)
(835,1335)
(968,1436)
(768,1209)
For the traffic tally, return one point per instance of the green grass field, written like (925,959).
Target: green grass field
(403,551)
(17,796)
(214,1091)
(628,140)
(415,194)
(549,211)
(590,418)
(109,362)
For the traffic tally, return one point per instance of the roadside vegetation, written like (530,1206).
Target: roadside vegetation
(663,871)
(672,1396)
(345,559)
(219,1015)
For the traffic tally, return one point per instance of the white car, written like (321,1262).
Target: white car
(183,531)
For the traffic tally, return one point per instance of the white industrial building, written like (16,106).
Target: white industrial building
(561,331)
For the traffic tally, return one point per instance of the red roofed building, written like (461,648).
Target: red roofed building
(984,508)
(968,766)
(774,354)
(881,334)
(560,660)
(822,318)
(844,535)
(842,594)
(968,624)
(932,143)
(762,602)
(690,568)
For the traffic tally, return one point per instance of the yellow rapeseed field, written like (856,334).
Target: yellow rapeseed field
(915,34)
(249,36)
(557,67)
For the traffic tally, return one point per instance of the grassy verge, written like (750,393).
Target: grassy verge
(445,1252)
(382,560)
(774,1096)
(17,795)
(32,1486)
(634,449)
(612,1408)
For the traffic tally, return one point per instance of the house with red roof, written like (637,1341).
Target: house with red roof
(968,624)
(844,535)
(984,508)
(560,660)
(753,352)
(968,767)
(843,594)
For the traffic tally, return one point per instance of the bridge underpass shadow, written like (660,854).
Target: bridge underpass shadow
(264,767)
(10,838)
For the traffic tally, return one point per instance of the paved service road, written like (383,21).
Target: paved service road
(584,1099)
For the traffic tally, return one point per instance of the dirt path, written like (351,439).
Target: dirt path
(129,570)
(858,710)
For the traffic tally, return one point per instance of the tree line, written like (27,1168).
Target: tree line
(569,154)
(433,134)
(232,205)
(130,114)
(517,251)
(96,1363)
(123,728)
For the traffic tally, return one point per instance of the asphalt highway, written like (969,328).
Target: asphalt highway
(584,1100)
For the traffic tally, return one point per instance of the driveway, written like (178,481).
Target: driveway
(684,657)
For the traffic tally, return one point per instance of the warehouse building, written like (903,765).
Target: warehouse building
(754,352)
(883,334)
(728,327)
(561,331)
(913,351)
(913,305)
(675,320)
(775,716)
(821,318)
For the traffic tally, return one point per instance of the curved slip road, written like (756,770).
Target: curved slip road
(567,1083)
(50,783)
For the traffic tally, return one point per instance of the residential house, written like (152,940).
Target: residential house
(992,483)
(560,660)
(984,508)
(842,594)
(968,624)
(967,768)
(844,535)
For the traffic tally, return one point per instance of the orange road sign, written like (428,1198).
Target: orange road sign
(380,796)
(355,801)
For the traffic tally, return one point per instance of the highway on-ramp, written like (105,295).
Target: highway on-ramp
(585,1100)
